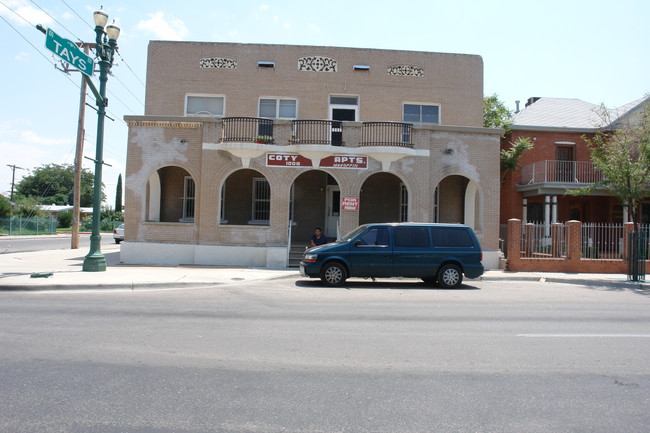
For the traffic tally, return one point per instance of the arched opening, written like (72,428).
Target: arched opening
(457,200)
(245,199)
(171,194)
(315,202)
(383,198)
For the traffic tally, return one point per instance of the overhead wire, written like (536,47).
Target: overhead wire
(57,21)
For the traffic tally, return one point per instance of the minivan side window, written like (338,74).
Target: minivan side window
(375,237)
(451,238)
(411,237)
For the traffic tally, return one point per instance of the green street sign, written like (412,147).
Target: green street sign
(69,52)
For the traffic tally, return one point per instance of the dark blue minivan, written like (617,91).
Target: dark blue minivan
(436,253)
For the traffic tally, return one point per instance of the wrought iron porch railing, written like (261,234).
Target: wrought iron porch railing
(253,129)
(387,134)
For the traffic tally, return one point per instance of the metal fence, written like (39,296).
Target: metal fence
(18,226)
(543,240)
(602,241)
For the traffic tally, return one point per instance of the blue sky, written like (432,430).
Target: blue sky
(592,50)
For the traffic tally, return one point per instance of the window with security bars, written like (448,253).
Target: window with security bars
(404,203)
(261,200)
(189,193)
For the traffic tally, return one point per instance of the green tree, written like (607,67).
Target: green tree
(620,151)
(118,194)
(496,114)
(510,157)
(54,184)
(5,207)
(28,207)
(64,219)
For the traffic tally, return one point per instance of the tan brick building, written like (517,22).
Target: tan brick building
(244,149)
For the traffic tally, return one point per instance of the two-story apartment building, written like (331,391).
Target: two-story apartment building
(560,161)
(245,148)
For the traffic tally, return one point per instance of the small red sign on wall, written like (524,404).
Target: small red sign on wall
(350,203)
(286,160)
(345,161)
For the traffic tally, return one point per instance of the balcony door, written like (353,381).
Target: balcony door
(565,165)
(342,109)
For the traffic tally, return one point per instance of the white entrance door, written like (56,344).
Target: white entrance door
(332,211)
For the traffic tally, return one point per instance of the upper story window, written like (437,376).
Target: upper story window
(202,105)
(420,113)
(278,108)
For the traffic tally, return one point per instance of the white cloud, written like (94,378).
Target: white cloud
(33,138)
(170,28)
(25,10)
(22,56)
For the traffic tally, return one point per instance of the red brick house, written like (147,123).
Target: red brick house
(560,161)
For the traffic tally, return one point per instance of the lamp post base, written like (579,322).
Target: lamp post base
(94,263)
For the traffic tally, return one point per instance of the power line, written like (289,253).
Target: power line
(57,21)
(75,12)
(129,90)
(127,65)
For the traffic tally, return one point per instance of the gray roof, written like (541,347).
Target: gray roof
(567,113)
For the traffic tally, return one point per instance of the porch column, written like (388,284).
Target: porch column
(554,209)
(524,211)
(547,216)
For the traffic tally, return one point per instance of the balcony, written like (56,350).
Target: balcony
(555,177)
(316,140)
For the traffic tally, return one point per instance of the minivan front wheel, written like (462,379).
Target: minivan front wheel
(450,276)
(333,274)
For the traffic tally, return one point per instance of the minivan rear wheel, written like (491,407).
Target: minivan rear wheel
(450,276)
(333,274)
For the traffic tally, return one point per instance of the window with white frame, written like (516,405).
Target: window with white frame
(403,203)
(261,201)
(278,108)
(189,193)
(421,113)
(204,105)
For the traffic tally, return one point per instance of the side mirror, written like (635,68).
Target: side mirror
(357,243)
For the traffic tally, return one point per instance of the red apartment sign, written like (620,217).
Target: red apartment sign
(350,203)
(286,160)
(334,161)
(345,161)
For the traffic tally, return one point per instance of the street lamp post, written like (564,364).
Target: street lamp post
(106,42)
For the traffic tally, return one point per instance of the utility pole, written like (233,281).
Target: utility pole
(76,195)
(13,178)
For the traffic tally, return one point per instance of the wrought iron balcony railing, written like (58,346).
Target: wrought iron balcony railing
(387,134)
(247,129)
(326,132)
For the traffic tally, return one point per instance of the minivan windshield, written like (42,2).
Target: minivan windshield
(352,234)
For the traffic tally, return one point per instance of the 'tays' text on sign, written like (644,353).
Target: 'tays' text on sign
(69,52)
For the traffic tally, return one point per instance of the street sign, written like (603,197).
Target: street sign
(69,52)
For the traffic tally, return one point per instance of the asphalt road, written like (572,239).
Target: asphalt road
(291,356)
(16,244)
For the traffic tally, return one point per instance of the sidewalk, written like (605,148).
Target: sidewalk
(16,272)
